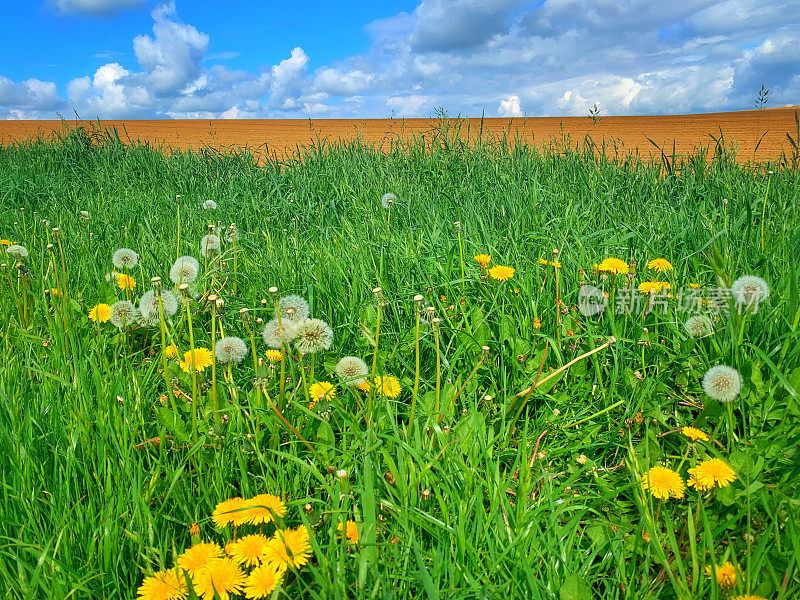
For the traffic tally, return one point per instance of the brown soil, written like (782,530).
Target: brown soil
(630,134)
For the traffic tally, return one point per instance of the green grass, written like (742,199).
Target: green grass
(454,504)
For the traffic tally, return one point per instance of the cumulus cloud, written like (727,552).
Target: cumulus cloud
(99,8)
(471,57)
(510,107)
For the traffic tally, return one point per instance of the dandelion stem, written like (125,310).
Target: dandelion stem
(214,361)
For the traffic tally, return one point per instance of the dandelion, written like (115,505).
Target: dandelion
(198,557)
(209,245)
(100,313)
(125,282)
(388,387)
(273,355)
(294,308)
(220,579)
(148,304)
(663,483)
(247,550)
(722,383)
(125,258)
(313,335)
(230,350)
(725,574)
(232,234)
(555,264)
(649,287)
(350,531)
(321,390)
(171,351)
(387,200)
(163,585)
(352,370)
(17,251)
(262,581)
(184,270)
(5,242)
(229,512)
(748,597)
(483,260)
(263,508)
(660,265)
(199,357)
(711,473)
(749,291)
(288,548)
(123,314)
(209,205)
(543,262)
(699,326)
(613,265)
(695,434)
(276,334)
(501,273)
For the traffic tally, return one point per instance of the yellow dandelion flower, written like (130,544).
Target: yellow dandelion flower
(388,386)
(274,355)
(364,386)
(659,265)
(543,262)
(711,473)
(483,260)
(163,585)
(501,273)
(221,578)
(350,531)
(649,287)
(260,509)
(55,292)
(201,358)
(695,434)
(748,597)
(194,529)
(247,550)
(198,557)
(613,265)
(537,323)
(100,313)
(694,286)
(663,483)
(125,282)
(6,243)
(171,351)
(229,512)
(288,548)
(262,581)
(321,390)
(555,264)
(725,574)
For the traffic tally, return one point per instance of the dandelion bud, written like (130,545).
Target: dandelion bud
(259,320)
(426,494)
(220,303)
(212,298)
(308,508)
(555,251)
(156,281)
(487,398)
(341,474)
(484,351)
(50,246)
(457,225)
(184,287)
(380,299)
(85,214)
(264,302)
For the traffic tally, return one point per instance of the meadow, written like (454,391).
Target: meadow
(359,374)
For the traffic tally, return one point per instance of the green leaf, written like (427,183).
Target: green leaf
(574,588)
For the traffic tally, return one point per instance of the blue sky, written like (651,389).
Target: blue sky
(265,59)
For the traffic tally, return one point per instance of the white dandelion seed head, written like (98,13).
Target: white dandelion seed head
(722,383)
(352,370)
(209,245)
(123,314)
(293,307)
(185,270)
(232,235)
(699,326)
(149,320)
(209,205)
(148,305)
(749,291)
(276,334)
(17,251)
(313,335)
(388,199)
(125,258)
(230,350)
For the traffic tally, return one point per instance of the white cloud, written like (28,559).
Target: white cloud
(101,8)
(407,106)
(288,81)
(510,107)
